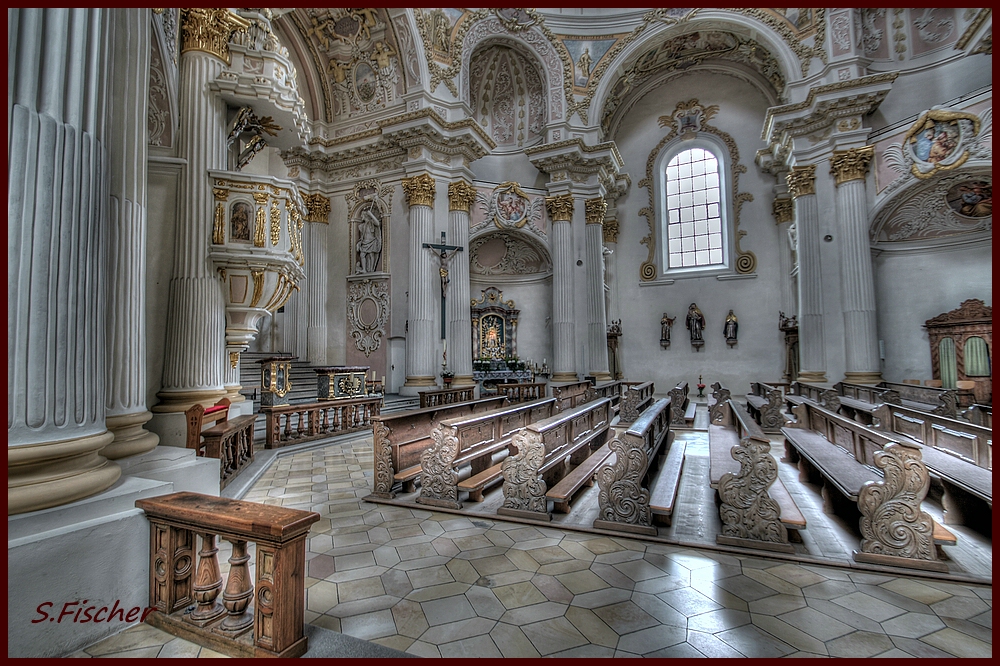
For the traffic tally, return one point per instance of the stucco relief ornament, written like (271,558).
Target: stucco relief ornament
(508,207)
(942,139)
(516,20)
(689,116)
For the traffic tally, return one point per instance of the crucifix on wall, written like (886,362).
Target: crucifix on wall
(446,252)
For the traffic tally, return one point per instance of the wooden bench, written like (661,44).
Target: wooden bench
(682,410)
(764,403)
(472,441)
(231,443)
(571,395)
(981,415)
(638,485)
(740,468)
(940,401)
(197,416)
(612,390)
(638,396)
(522,392)
(799,391)
(546,451)
(181,576)
(447,396)
(399,440)
(884,480)
(718,410)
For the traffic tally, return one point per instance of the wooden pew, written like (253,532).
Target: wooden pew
(522,392)
(446,396)
(885,480)
(799,391)
(546,451)
(757,510)
(472,441)
(198,416)
(764,404)
(637,398)
(718,410)
(571,395)
(943,402)
(638,483)
(981,415)
(399,439)
(181,576)
(682,410)
(613,391)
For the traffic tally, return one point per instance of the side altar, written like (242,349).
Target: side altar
(494,342)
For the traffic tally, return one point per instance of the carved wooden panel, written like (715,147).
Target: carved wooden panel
(747,511)
(523,487)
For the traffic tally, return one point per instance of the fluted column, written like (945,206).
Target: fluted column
(784,215)
(812,350)
(597,319)
(850,167)
(611,280)
(194,358)
(560,209)
(423,283)
(56,256)
(461,195)
(126,335)
(318,208)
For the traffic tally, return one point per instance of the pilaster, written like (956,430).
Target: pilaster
(461,196)
(812,348)
(597,324)
(420,192)
(318,217)
(560,210)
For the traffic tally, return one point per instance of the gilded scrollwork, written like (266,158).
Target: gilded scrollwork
(622,499)
(747,511)
(523,487)
(892,522)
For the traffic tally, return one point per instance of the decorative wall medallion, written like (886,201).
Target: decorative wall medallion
(509,207)
(971,198)
(940,140)
(364,82)
(368,312)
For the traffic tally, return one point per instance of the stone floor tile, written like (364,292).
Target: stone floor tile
(952,588)
(710,646)
(414,551)
(621,654)
(895,599)
(664,583)
(689,601)
(396,642)
(321,597)
(568,566)
(960,607)
(342,540)
(355,574)
(612,576)
(512,642)
(639,570)
(447,610)
(915,590)
(178,648)
(593,628)
(620,556)
(362,606)
(463,571)
(493,565)
(806,655)
(138,636)
(869,606)
(661,610)
(918,648)
(360,589)
(396,583)
(829,589)
(724,598)
(815,623)
(912,625)
(473,542)
(328,622)
(789,634)
(447,547)
(845,615)
(369,625)
(552,588)
(355,561)
(446,633)
(970,628)
(601,545)
(797,575)
(626,617)
(438,592)
(386,556)
(485,602)
(409,618)
(579,582)
(859,644)
(679,651)
(668,566)
(518,595)
(553,635)
(745,587)
(429,576)
(719,620)
(777,604)
(779,585)
(498,538)
(422,649)
(586,652)
(577,550)
(528,614)
(652,639)
(692,560)
(522,560)
(478,647)
(320,566)
(984,619)
(754,642)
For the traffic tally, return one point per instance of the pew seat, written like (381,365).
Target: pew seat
(663,491)
(563,492)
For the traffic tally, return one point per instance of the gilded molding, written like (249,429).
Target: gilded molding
(560,207)
(782,209)
(276,224)
(973,28)
(852,164)
(461,196)
(317,208)
(234,359)
(209,30)
(419,190)
(260,222)
(801,181)
(595,210)
(611,231)
(258,287)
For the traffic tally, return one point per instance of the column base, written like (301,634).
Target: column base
(181,401)
(862,377)
(420,381)
(40,476)
(601,376)
(564,377)
(234,395)
(463,380)
(130,437)
(811,377)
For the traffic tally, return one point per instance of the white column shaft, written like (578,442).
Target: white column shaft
(563,324)
(424,283)
(812,350)
(597,322)
(860,332)
(459,296)
(316,260)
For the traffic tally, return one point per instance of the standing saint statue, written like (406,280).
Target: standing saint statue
(369,245)
(665,324)
(730,328)
(696,324)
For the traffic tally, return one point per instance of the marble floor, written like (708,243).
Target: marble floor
(441,585)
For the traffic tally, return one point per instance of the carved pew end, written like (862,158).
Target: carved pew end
(896,561)
(755,544)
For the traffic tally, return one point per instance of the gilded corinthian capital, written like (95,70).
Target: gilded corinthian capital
(317,208)
(560,207)
(851,164)
(782,209)
(802,181)
(419,190)
(209,30)
(595,210)
(461,196)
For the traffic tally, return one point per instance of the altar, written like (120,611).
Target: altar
(494,343)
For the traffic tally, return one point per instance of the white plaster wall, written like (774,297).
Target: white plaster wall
(913,287)
(756,302)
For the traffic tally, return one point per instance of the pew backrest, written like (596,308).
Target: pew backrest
(678,403)
(447,396)
(967,441)
(570,395)
(637,398)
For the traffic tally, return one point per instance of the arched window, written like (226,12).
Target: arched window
(977,357)
(949,369)
(693,211)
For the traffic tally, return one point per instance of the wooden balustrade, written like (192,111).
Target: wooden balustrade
(289,424)
(446,396)
(522,392)
(231,443)
(259,617)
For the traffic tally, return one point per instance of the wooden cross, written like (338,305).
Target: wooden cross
(446,253)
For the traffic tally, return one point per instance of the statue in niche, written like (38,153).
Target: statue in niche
(369,245)
(730,328)
(665,324)
(696,324)
(239,222)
